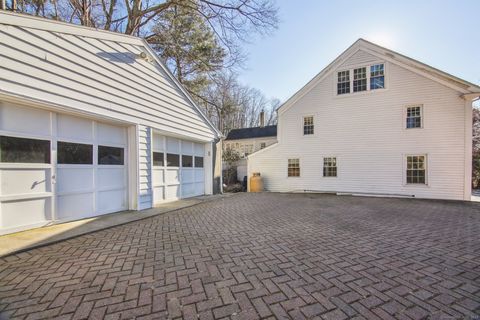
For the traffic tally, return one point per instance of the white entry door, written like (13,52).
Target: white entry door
(178,168)
(56,167)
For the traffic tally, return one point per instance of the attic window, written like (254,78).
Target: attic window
(377,77)
(360,79)
(343,84)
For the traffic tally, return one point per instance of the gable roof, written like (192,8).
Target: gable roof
(94,71)
(464,87)
(250,133)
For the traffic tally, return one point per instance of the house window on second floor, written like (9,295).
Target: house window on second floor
(414,117)
(343,84)
(294,167)
(308,126)
(377,76)
(330,167)
(262,145)
(360,79)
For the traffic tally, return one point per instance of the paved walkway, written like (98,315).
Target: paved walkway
(33,238)
(255,256)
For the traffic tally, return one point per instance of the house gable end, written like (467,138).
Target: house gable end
(363,53)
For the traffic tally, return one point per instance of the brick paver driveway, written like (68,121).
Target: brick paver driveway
(258,256)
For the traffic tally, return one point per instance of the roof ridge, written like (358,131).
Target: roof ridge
(69,27)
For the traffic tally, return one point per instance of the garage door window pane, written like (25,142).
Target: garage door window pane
(158,159)
(187,161)
(110,155)
(23,150)
(198,162)
(173,160)
(74,153)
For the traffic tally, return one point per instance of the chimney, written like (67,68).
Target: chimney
(262,119)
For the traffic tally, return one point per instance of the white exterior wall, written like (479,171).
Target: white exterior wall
(255,142)
(366,133)
(61,69)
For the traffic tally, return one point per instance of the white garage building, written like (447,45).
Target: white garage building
(91,123)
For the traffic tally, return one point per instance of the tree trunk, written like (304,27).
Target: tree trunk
(134,17)
(3,5)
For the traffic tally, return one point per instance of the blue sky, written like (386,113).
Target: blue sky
(442,33)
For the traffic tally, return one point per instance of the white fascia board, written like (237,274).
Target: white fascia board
(460,85)
(319,77)
(152,53)
(420,69)
(262,150)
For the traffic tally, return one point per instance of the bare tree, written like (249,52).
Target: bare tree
(476,148)
(230,20)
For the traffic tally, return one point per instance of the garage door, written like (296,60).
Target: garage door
(178,168)
(58,167)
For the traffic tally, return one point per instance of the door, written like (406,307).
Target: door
(177,168)
(91,177)
(57,167)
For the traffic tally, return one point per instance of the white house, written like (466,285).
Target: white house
(91,122)
(246,141)
(374,122)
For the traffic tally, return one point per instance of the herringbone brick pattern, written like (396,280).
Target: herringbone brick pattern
(255,256)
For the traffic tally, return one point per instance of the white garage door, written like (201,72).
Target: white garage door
(178,168)
(58,167)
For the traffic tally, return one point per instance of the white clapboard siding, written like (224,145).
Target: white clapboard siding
(145,172)
(359,58)
(95,79)
(366,133)
(94,73)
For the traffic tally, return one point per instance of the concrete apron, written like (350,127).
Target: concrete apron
(33,238)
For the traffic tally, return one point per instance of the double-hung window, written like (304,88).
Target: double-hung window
(294,167)
(416,169)
(308,125)
(414,117)
(377,76)
(343,84)
(330,167)
(360,79)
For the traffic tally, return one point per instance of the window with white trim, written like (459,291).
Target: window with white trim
(308,126)
(294,167)
(377,76)
(248,149)
(330,167)
(262,145)
(414,117)
(360,79)
(343,84)
(416,169)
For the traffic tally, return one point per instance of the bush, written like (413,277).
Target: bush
(237,187)
(230,176)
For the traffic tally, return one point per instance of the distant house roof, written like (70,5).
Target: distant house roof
(249,133)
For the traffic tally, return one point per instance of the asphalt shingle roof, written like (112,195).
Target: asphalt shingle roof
(255,132)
